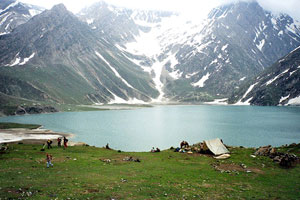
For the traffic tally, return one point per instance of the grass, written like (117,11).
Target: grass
(4,125)
(80,173)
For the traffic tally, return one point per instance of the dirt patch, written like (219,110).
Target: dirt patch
(90,191)
(256,170)
(206,185)
(237,168)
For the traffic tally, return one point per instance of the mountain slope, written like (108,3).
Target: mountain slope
(108,54)
(198,60)
(116,24)
(14,13)
(277,85)
(62,57)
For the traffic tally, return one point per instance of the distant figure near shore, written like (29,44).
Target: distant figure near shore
(48,159)
(65,142)
(107,146)
(155,150)
(152,150)
(184,144)
(59,142)
(49,142)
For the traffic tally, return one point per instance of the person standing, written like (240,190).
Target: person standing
(65,142)
(49,142)
(48,159)
(59,142)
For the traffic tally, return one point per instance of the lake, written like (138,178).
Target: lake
(166,126)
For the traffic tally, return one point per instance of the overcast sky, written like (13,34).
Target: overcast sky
(193,7)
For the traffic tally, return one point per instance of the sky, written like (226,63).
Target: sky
(191,7)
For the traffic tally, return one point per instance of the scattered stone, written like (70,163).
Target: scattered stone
(106,161)
(243,166)
(273,150)
(131,159)
(284,159)
(253,156)
(288,160)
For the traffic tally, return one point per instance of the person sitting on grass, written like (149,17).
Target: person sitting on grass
(48,159)
(152,150)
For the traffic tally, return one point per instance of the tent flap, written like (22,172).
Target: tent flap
(216,146)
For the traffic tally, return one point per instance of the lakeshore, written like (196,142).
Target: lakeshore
(29,134)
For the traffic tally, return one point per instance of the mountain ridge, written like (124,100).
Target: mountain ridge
(107,54)
(277,85)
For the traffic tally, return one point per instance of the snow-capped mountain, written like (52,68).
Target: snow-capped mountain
(62,60)
(14,13)
(119,25)
(277,85)
(198,60)
(108,54)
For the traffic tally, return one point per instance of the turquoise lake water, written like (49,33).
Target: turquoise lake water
(166,126)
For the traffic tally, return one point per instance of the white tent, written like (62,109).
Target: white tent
(215,146)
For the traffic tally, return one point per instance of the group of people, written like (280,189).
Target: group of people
(65,140)
(49,142)
(155,150)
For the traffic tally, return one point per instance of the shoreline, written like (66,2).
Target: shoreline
(34,136)
(116,107)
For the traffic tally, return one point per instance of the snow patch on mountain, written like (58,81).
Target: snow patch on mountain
(34,12)
(25,60)
(5,16)
(17,60)
(9,6)
(240,103)
(90,21)
(218,102)
(294,101)
(276,77)
(113,69)
(283,98)
(201,82)
(157,68)
(261,44)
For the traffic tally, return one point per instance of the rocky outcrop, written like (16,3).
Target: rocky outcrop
(284,159)
(35,110)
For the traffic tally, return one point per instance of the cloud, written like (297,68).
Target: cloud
(192,7)
(290,7)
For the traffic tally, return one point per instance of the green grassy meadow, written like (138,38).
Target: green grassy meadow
(82,173)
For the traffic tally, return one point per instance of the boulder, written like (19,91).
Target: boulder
(288,160)
(263,151)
